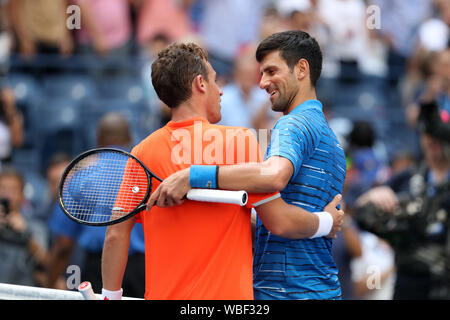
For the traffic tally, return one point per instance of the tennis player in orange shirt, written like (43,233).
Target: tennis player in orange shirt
(196,250)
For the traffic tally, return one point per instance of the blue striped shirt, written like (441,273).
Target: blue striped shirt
(302,269)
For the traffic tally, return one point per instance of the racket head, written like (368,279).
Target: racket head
(104,186)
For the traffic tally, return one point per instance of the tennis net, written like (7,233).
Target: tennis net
(16,292)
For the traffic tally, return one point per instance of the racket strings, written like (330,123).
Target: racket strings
(103,187)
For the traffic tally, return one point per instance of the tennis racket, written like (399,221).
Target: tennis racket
(105,186)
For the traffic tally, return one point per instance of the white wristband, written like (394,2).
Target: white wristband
(112,295)
(325,224)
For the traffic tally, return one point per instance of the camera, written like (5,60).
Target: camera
(418,232)
(4,206)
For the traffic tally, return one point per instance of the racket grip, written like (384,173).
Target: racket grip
(85,289)
(221,196)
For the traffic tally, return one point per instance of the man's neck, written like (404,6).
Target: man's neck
(186,111)
(301,98)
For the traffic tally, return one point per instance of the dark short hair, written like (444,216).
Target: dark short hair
(293,46)
(362,135)
(432,122)
(174,70)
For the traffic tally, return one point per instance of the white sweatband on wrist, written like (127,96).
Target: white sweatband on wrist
(112,295)
(325,224)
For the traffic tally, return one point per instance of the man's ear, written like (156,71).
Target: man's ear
(301,69)
(199,83)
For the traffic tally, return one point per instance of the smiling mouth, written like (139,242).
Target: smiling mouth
(272,93)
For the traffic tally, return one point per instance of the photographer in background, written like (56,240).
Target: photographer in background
(11,124)
(21,239)
(411,213)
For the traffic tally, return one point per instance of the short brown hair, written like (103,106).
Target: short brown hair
(174,70)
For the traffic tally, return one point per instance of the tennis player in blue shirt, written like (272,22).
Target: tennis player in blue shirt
(304,161)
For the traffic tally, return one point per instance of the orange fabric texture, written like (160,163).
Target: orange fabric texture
(200,251)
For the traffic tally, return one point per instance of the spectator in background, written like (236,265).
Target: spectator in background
(11,125)
(433,37)
(271,22)
(106,31)
(346,247)
(402,161)
(242,98)
(400,20)
(348,44)
(40,27)
(5,38)
(304,15)
(226,26)
(373,273)
(434,33)
(57,164)
(106,25)
(367,168)
(167,17)
(436,86)
(414,202)
(22,240)
(113,131)
(296,13)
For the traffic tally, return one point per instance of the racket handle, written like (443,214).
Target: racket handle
(85,289)
(221,196)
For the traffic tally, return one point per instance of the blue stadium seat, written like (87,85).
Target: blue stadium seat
(122,87)
(352,112)
(365,94)
(75,87)
(25,87)
(57,125)
(24,159)
(52,114)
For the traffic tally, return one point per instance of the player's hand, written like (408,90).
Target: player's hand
(171,191)
(381,197)
(338,216)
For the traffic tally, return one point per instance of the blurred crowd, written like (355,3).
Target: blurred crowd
(65,65)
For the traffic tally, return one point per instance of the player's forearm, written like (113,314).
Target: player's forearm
(288,221)
(114,258)
(251,177)
(269,176)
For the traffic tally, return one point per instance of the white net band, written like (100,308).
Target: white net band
(16,292)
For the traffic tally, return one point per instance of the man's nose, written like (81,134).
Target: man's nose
(264,83)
